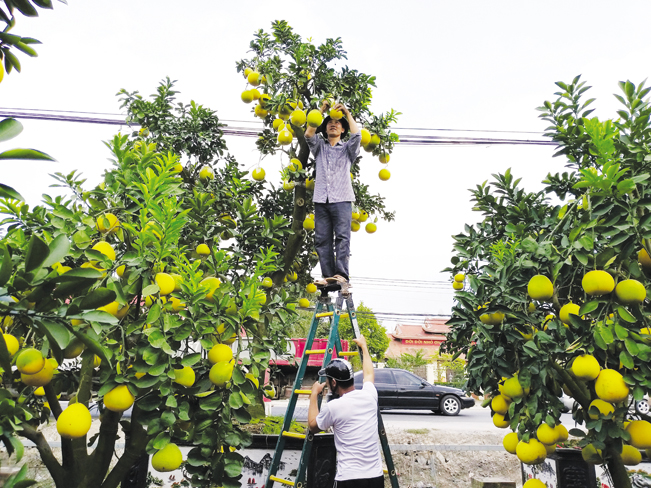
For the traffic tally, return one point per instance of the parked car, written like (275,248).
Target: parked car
(398,388)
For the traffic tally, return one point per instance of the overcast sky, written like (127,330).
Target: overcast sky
(475,65)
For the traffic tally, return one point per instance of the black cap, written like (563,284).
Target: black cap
(338,369)
(324,125)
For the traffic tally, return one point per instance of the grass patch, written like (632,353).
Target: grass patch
(274,424)
(417,431)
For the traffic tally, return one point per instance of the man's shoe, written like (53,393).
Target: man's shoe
(321,282)
(338,279)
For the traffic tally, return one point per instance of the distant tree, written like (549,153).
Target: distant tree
(376,335)
(409,361)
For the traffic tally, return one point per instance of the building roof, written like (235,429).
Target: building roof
(409,339)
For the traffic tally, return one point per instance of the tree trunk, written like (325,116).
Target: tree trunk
(617,469)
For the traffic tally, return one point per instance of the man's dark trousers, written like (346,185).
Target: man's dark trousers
(332,237)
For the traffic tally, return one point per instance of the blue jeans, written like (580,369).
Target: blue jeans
(332,237)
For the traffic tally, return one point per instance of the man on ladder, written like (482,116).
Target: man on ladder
(353,415)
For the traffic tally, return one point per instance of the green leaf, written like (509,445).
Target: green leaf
(57,332)
(6,268)
(191,359)
(92,344)
(37,253)
(211,402)
(97,298)
(235,400)
(99,316)
(242,415)
(9,192)
(149,402)
(589,307)
(632,347)
(621,332)
(587,242)
(9,128)
(25,154)
(59,249)
(626,315)
(626,360)
(5,358)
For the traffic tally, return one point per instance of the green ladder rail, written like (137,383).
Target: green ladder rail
(323,309)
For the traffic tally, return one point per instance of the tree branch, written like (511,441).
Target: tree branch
(56,470)
(579,393)
(55,406)
(100,459)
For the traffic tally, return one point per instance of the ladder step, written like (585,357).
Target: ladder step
(315,351)
(303,392)
(295,435)
(324,314)
(344,316)
(348,353)
(280,480)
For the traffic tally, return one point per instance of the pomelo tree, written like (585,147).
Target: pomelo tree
(129,297)
(555,288)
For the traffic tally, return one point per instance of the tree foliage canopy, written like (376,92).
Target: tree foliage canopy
(604,225)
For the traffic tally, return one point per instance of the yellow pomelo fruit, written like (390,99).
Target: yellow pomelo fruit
(12,344)
(42,378)
(298,117)
(630,455)
(532,452)
(604,408)
(598,283)
(203,250)
(366,137)
(591,454)
(534,483)
(643,258)
(304,303)
(247,71)
(561,433)
(640,431)
(459,277)
(308,224)
(206,174)
(610,386)
(74,348)
(221,373)
(211,284)
(247,96)
(510,442)
(499,422)
(220,353)
(74,421)
(500,405)
(310,288)
(40,391)
(309,183)
(512,388)
(630,292)
(184,376)
(566,310)
(120,270)
(253,78)
(177,304)
(111,308)
(168,458)
(285,137)
(384,174)
(258,174)
(119,399)
(373,143)
(178,281)
(277,123)
(363,215)
(531,308)
(586,367)
(260,112)
(295,164)
(370,228)
(457,285)
(540,288)
(267,282)
(546,434)
(314,118)
(384,158)
(97,361)
(165,282)
(30,361)
(107,223)
(335,114)
(354,226)
(106,249)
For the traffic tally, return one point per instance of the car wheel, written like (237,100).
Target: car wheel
(450,405)
(642,407)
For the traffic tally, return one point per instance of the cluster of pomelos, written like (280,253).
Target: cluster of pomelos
(607,384)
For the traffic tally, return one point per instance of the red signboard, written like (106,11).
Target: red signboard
(421,342)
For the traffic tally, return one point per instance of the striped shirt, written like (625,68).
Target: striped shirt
(333,183)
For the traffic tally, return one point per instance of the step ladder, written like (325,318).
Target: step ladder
(324,308)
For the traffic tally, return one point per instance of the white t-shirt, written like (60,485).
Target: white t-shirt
(353,418)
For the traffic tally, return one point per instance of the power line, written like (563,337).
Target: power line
(246,132)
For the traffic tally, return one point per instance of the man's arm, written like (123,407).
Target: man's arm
(310,131)
(313,410)
(367,364)
(354,128)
